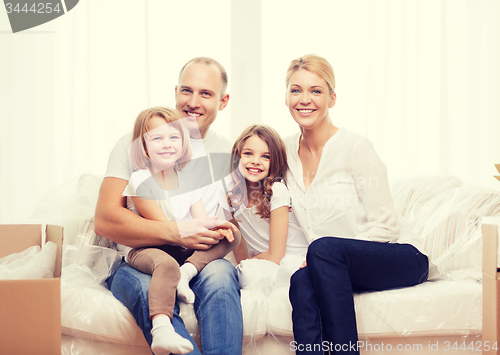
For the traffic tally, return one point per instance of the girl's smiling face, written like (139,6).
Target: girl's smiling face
(163,144)
(308,98)
(255,159)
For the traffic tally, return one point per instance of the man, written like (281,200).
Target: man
(200,95)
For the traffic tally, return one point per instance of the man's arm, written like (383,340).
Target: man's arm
(115,222)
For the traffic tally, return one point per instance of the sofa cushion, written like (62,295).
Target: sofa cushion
(441,308)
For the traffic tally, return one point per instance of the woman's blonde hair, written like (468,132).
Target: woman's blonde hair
(277,168)
(139,157)
(315,64)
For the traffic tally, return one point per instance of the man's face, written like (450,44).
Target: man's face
(198,96)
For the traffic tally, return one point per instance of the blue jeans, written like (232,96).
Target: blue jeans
(321,294)
(217,306)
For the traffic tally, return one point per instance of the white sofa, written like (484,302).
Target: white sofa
(435,317)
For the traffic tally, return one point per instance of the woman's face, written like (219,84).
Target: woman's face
(308,98)
(163,143)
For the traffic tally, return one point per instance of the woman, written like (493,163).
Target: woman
(339,189)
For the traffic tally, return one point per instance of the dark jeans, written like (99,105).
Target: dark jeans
(322,293)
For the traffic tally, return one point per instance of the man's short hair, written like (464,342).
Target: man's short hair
(210,61)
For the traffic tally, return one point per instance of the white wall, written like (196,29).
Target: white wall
(418,77)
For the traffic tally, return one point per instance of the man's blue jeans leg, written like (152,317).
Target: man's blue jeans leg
(217,306)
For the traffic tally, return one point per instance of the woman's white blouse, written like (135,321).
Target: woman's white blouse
(349,196)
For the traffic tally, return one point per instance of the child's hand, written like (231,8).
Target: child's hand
(227,233)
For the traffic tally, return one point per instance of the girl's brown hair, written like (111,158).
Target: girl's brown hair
(139,158)
(277,168)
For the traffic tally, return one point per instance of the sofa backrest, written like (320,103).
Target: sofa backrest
(446,212)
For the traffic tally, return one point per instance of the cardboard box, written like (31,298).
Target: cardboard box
(491,290)
(30,310)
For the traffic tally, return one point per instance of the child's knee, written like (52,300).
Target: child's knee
(168,266)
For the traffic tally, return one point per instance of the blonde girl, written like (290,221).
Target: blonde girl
(160,150)
(261,201)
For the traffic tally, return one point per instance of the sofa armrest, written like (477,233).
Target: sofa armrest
(491,286)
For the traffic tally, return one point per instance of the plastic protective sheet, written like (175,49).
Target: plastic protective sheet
(71,205)
(90,314)
(32,263)
(445,211)
(262,281)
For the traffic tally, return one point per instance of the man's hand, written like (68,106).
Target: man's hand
(202,233)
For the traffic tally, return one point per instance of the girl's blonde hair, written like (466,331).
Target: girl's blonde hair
(139,157)
(315,64)
(277,168)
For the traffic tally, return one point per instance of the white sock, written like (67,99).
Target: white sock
(184,292)
(166,340)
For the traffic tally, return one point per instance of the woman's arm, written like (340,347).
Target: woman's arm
(278,235)
(372,187)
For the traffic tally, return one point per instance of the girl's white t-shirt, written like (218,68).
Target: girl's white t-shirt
(175,204)
(255,229)
(119,167)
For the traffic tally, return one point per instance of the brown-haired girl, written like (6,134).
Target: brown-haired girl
(262,202)
(160,150)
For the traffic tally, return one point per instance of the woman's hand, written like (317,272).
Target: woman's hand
(304,264)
